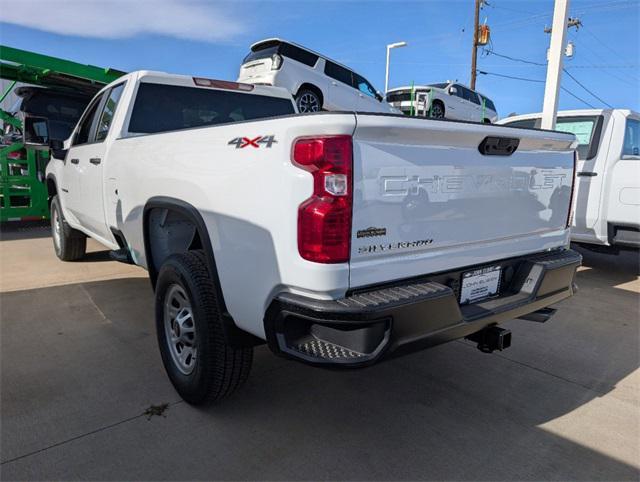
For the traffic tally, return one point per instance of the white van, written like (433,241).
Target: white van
(607,191)
(316,82)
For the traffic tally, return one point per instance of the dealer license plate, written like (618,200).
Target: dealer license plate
(480,284)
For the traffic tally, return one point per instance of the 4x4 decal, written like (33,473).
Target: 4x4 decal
(242,142)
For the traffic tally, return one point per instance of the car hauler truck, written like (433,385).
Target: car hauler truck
(47,108)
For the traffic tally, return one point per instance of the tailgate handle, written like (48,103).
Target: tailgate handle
(587,174)
(498,146)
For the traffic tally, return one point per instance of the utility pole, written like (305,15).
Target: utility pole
(474,51)
(554,65)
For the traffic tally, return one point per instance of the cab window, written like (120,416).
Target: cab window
(84,134)
(631,146)
(108,111)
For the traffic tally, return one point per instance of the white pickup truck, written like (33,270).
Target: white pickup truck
(340,239)
(607,198)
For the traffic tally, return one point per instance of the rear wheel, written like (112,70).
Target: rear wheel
(68,243)
(201,365)
(437,110)
(308,101)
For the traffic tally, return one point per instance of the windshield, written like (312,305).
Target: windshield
(439,86)
(62,111)
(584,129)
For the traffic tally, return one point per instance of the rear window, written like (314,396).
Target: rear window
(262,51)
(528,123)
(161,108)
(62,111)
(438,86)
(268,49)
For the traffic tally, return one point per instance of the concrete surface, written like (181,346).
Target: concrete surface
(79,366)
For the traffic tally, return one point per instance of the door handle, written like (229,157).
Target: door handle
(95,160)
(334,82)
(74,161)
(587,174)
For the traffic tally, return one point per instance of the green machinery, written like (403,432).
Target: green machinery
(24,150)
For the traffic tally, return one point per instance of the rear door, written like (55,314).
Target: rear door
(456,107)
(427,200)
(341,94)
(77,160)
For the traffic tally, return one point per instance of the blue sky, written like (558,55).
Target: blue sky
(211,38)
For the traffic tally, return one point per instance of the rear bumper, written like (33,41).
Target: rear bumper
(402,317)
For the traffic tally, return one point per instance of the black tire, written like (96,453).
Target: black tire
(218,369)
(437,110)
(308,100)
(68,243)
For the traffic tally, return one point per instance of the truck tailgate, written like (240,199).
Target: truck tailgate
(427,200)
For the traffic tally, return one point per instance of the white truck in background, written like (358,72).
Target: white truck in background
(607,194)
(339,239)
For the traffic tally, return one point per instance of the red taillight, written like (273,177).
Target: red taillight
(324,220)
(18,155)
(573,186)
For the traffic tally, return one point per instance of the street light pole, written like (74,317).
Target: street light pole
(386,75)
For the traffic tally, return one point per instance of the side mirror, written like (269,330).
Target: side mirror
(57,149)
(36,132)
(379,96)
(453,90)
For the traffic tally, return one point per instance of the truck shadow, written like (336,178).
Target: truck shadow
(446,413)
(11,231)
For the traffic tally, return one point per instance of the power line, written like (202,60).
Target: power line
(484,72)
(536,81)
(515,59)
(582,85)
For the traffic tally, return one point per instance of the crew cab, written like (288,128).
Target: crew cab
(444,100)
(339,239)
(607,198)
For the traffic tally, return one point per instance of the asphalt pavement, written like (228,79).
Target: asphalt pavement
(84,395)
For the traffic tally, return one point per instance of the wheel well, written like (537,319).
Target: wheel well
(173,226)
(486,121)
(438,101)
(314,89)
(168,232)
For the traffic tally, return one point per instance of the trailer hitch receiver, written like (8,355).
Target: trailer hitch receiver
(491,338)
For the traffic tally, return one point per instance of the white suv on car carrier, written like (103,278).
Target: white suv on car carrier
(316,82)
(448,100)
